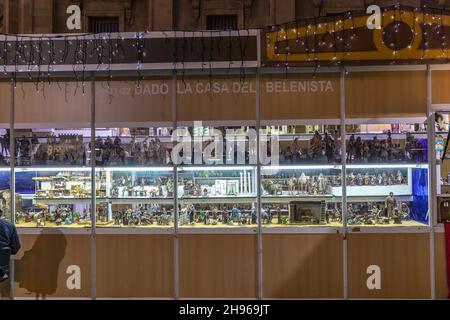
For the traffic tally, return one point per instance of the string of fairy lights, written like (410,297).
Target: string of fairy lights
(38,56)
(338,33)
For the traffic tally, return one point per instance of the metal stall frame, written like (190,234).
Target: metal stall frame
(259,231)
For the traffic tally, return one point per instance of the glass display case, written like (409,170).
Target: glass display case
(207,145)
(441,131)
(4,142)
(149,146)
(135,196)
(135,170)
(307,144)
(301,195)
(222,196)
(52,147)
(52,177)
(305,189)
(387,174)
(53,197)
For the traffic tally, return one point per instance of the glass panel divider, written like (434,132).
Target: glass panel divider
(176,257)
(93,195)
(344,181)
(12,185)
(432,180)
(258,189)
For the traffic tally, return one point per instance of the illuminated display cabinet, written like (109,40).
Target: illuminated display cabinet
(324,198)
(386,182)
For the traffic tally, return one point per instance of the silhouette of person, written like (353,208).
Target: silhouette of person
(37,270)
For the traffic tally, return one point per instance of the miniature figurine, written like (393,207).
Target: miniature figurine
(351,179)
(266,218)
(351,148)
(303,181)
(291,185)
(390,204)
(321,184)
(399,178)
(379,179)
(366,180)
(359,179)
(191,214)
(404,211)
(396,217)
(235,214)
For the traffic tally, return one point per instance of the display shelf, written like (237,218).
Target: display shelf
(381,198)
(395,136)
(137,200)
(398,165)
(144,168)
(219,167)
(224,200)
(405,227)
(52,225)
(275,225)
(364,136)
(111,225)
(288,199)
(57,201)
(373,191)
(74,168)
(300,167)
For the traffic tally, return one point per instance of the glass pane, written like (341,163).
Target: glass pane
(387,174)
(4,142)
(306,144)
(217,196)
(301,195)
(5,193)
(207,145)
(387,143)
(53,197)
(442,123)
(135,197)
(52,147)
(134,177)
(305,188)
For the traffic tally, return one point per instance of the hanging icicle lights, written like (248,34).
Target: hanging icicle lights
(39,57)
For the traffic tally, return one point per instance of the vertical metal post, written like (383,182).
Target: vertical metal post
(432,180)
(344,182)
(176,268)
(258,188)
(93,196)
(12,177)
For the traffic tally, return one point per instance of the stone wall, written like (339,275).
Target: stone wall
(49,16)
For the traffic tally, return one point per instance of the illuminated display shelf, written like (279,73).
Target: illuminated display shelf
(221,200)
(218,167)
